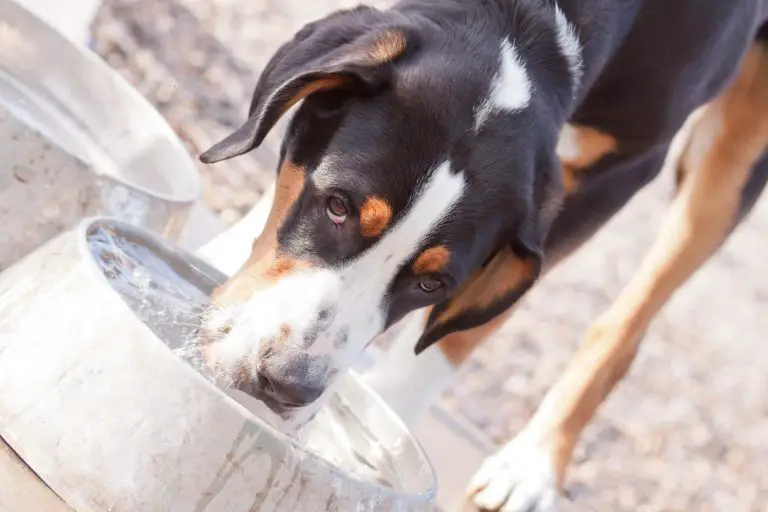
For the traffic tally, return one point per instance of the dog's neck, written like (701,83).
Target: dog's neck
(587,33)
(600,26)
(544,33)
(583,33)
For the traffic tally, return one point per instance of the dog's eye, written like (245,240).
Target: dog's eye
(327,103)
(336,210)
(430,284)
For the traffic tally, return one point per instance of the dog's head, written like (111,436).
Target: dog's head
(418,170)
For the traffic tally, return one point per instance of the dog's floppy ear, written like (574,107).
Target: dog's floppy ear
(508,273)
(349,50)
(485,294)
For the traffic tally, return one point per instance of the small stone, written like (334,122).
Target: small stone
(23,174)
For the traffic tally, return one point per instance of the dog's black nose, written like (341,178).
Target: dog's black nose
(283,388)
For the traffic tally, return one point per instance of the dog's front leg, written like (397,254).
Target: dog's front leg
(411,383)
(528,473)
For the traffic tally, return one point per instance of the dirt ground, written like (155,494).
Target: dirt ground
(688,428)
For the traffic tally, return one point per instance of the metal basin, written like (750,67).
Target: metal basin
(77,140)
(96,402)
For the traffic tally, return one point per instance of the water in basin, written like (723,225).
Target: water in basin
(170,295)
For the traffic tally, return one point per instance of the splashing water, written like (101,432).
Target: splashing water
(173,306)
(167,303)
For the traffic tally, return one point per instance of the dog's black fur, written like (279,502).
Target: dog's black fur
(674,57)
(647,64)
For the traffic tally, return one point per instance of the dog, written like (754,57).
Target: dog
(442,155)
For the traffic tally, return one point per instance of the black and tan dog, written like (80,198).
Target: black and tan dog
(448,152)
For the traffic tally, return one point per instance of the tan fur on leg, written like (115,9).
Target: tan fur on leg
(726,141)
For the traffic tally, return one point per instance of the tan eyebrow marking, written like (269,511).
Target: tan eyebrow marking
(375,216)
(433,259)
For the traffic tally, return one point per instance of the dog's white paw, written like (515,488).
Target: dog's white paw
(519,478)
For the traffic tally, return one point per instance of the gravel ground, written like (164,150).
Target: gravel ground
(687,429)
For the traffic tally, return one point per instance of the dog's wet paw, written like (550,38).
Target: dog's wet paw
(519,478)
